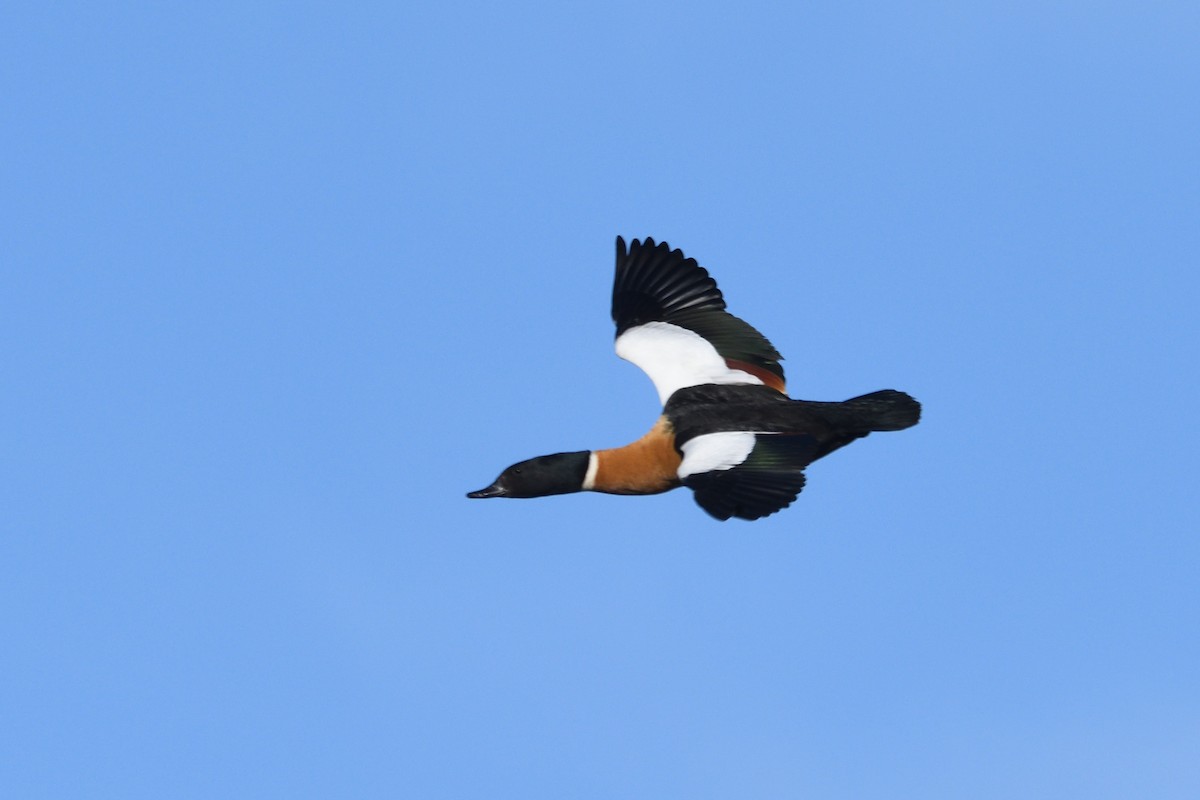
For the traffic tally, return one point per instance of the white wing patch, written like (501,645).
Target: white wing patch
(675,358)
(715,451)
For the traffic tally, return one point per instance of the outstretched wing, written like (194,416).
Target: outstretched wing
(743,474)
(671,322)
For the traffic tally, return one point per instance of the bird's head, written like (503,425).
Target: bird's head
(560,473)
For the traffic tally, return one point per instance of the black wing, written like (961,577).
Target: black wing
(768,480)
(654,283)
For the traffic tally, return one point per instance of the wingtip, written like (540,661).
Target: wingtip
(636,244)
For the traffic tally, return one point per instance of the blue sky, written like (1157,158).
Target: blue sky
(279,283)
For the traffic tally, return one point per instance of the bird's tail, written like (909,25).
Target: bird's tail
(885,410)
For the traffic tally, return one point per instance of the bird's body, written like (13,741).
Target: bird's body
(728,430)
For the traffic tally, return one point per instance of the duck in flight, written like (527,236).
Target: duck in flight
(728,431)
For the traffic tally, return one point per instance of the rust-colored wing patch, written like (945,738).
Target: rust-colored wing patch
(768,378)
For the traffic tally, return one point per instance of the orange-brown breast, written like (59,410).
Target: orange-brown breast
(647,466)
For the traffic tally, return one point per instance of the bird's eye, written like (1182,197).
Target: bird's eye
(517,470)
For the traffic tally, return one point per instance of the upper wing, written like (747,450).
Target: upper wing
(744,474)
(671,322)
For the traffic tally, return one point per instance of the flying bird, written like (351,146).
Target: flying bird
(728,430)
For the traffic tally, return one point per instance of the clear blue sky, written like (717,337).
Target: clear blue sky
(280,282)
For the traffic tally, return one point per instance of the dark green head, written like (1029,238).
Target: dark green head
(560,473)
